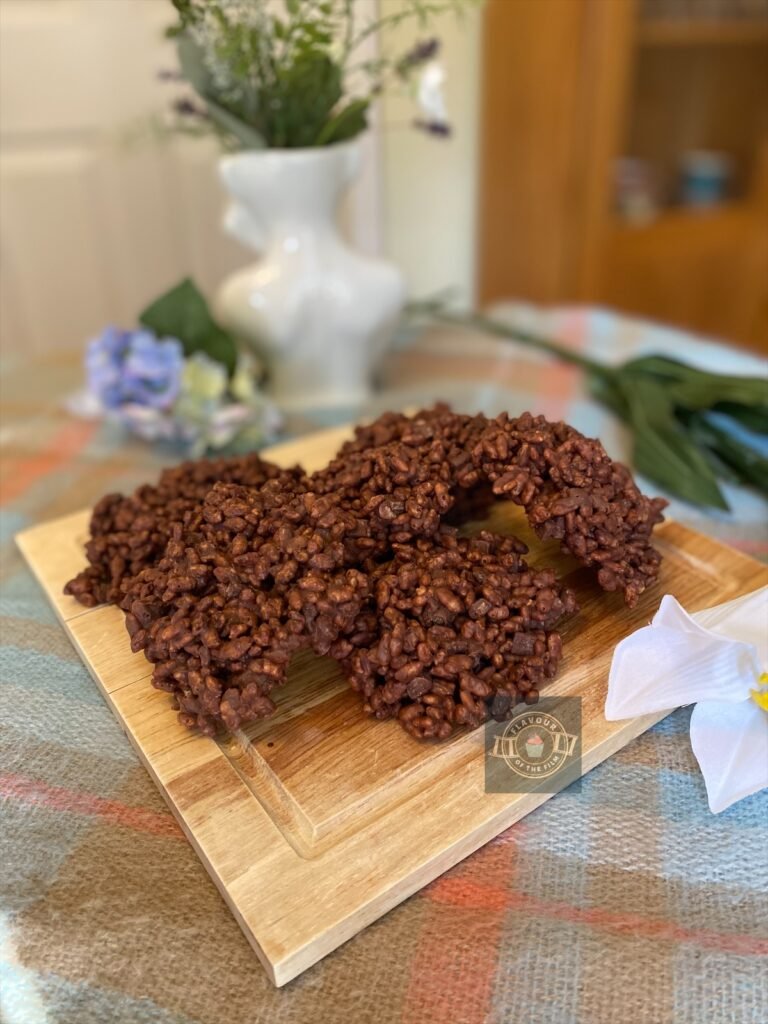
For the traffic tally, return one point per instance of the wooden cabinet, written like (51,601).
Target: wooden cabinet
(572,86)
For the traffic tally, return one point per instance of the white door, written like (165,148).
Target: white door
(97,217)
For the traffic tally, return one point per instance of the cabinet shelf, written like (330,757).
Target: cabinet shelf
(673,218)
(701,32)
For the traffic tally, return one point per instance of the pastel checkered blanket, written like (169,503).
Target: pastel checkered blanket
(625,901)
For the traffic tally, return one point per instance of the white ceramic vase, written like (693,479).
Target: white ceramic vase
(318,313)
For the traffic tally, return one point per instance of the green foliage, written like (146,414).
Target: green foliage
(682,419)
(183,313)
(346,124)
(662,447)
(310,87)
(278,75)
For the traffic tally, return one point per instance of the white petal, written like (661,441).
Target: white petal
(730,742)
(431,98)
(745,618)
(675,661)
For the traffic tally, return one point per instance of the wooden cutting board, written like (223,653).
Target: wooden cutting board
(316,822)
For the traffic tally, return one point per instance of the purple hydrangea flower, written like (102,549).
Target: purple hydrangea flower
(103,365)
(152,370)
(134,367)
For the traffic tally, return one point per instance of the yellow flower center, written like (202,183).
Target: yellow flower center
(760,695)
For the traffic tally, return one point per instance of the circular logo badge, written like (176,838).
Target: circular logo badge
(535,745)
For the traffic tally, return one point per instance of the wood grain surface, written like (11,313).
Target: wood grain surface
(319,820)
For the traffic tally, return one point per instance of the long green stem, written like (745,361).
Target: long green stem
(502,330)
(348,21)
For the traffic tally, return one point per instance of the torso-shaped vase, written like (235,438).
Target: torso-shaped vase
(318,313)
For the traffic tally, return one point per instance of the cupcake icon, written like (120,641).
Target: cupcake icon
(534,746)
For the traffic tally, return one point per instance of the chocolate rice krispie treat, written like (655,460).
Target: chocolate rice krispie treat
(458,629)
(225,569)
(567,485)
(251,577)
(572,491)
(130,533)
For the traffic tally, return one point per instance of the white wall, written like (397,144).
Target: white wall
(430,184)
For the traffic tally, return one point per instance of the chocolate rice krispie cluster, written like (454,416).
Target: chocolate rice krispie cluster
(129,533)
(226,568)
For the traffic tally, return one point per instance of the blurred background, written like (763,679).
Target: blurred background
(604,152)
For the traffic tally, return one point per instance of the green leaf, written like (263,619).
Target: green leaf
(305,94)
(721,470)
(194,70)
(192,65)
(183,313)
(749,466)
(754,418)
(349,122)
(663,451)
(187,15)
(246,135)
(607,390)
(691,388)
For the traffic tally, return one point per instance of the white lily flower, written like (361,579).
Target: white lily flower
(717,660)
(430,93)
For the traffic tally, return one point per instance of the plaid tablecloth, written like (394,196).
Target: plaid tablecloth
(627,901)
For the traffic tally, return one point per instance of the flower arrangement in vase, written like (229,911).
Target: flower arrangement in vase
(286,91)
